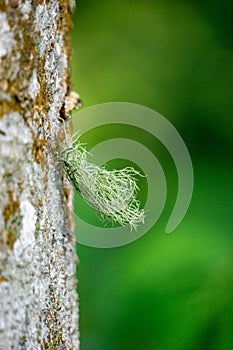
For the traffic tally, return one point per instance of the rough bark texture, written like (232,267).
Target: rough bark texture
(38,301)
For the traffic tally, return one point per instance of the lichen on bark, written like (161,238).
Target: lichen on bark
(38,300)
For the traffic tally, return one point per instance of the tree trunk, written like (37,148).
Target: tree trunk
(38,301)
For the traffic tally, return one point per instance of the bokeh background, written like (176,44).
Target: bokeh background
(162,291)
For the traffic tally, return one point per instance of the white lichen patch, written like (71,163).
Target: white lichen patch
(27,233)
(16,145)
(33,85)
(26,9)
(43,25)
(6,36)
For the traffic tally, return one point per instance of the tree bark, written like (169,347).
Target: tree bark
(38,301)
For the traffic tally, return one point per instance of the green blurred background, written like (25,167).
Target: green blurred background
(162,291)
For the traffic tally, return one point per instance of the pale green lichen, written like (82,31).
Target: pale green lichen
(112,193)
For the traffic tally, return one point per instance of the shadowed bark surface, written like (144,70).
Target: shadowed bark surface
(38,301)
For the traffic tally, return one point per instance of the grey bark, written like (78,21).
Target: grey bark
(38,301)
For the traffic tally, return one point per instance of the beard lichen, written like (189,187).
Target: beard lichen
(112,193)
